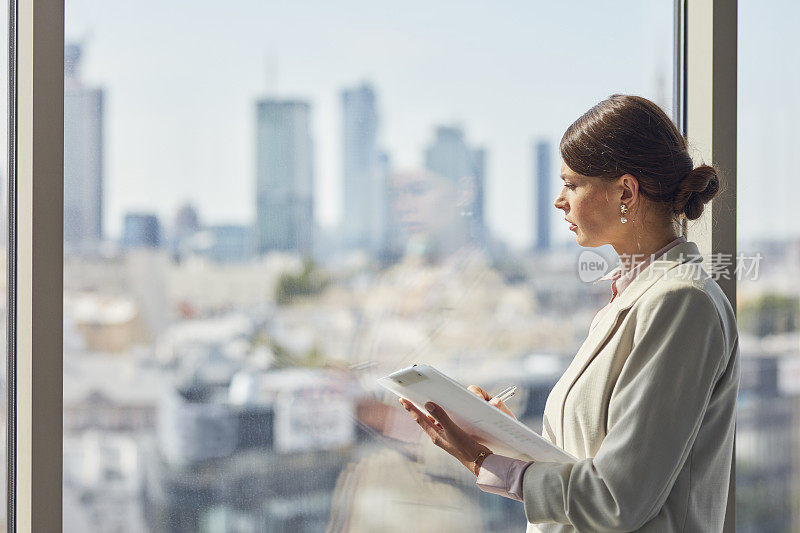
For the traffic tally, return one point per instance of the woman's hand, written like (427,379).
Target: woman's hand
(497,402)
(445,434)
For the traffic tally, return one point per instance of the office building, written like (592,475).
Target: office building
(366,213)
(449,156)
(187,224)
(223,243)
(542,199)
(284,177)
(141,231)
(767,456)
(83,157)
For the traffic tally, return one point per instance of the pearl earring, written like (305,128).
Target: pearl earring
(624,210)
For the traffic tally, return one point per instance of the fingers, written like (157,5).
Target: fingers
(439,414)
(497,402)
(434,422)
(426,421)
(438,425)
(450,437)
(454,440)
(479,392)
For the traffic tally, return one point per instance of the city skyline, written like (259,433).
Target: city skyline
(185,102)
(521,81)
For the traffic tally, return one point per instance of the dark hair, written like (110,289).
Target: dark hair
(627,134)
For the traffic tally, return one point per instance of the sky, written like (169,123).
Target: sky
(768,100)
(181,80)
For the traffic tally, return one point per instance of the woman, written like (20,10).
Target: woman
(647,405)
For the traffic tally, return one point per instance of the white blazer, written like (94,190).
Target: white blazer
(648,406)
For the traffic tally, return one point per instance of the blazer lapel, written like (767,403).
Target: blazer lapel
(685,252)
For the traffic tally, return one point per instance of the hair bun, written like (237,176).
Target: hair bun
(698,188)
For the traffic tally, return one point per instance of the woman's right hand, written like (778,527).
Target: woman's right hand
(497,402)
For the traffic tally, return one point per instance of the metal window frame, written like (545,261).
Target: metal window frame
(705,100)
(705,90)
(11,273)
(35,268)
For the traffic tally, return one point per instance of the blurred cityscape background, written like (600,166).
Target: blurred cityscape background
(350,191)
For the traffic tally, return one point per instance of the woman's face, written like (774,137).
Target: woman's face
(423,202)
(589,204)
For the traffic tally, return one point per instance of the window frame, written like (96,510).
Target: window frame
(35,267)
(705,108)
(11,274)
(706,65)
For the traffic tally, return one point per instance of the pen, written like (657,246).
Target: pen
(363,365)
(507,393)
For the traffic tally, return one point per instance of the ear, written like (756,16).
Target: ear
(629,189)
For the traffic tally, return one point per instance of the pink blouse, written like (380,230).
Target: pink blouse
(502,475)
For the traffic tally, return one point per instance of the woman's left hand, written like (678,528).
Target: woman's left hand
(445,434)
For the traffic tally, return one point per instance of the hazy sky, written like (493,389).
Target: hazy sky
(769,114)
(182,78)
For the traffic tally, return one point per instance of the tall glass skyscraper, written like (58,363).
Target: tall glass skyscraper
(284,177)
(83,157)
(141,230)
(543,202)
(450,157)
(365,221)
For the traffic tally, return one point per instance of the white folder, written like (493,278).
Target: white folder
(502,433)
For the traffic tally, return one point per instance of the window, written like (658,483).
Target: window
(268,207)
(99,434)
(767,474)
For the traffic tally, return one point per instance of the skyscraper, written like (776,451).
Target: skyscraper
(141,230)
(187,221)
(223,243)
(450,157)
(477,208)
(83,156)
(284,177)
(186,226)
(542,200)
(366,210)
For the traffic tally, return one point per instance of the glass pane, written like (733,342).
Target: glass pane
(768,440)
(269,206)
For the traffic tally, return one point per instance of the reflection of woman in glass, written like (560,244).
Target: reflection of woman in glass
(435,212)
(647,404)
(414,311)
